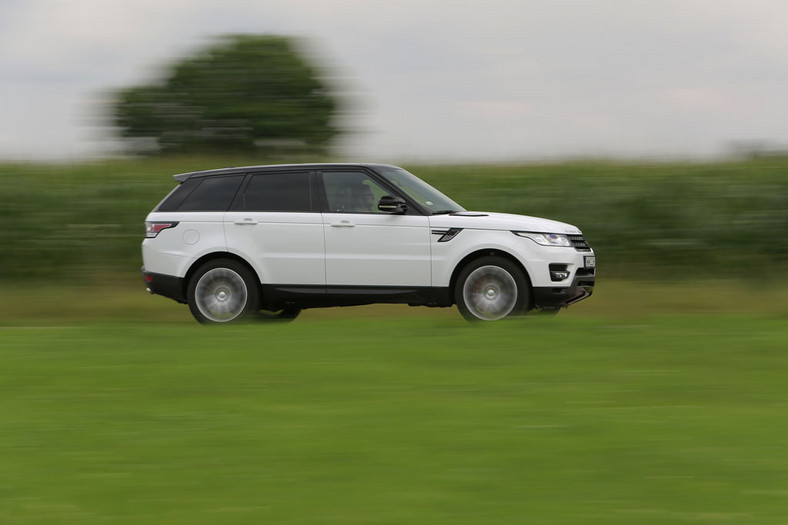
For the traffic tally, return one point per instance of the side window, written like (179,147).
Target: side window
(279,192)
(212,194)
(352,192)
(178,195)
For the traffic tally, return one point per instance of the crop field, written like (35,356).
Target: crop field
(643,220)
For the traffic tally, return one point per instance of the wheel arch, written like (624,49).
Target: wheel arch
(211,257)
(492,252)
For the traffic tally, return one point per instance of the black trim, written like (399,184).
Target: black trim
(237,203)
(164,285)
(552,297)
(277,167)
(276,296)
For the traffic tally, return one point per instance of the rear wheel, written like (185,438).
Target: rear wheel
(491,288)
(222,291)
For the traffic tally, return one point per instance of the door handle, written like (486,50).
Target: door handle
(342,224)
(242,222)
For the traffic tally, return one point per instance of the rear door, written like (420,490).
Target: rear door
(275,224)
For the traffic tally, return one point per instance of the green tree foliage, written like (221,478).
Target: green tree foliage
(244,93)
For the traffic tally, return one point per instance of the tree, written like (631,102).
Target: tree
(244,93)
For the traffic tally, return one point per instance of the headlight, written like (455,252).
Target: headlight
(547,239)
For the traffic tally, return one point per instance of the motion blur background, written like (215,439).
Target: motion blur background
(434,80)
(659,128)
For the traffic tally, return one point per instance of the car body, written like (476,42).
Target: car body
(268,241)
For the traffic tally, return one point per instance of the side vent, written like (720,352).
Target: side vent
(447,235)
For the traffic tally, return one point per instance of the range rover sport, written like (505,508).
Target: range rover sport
(268,241)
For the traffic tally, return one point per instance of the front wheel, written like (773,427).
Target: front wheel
(222,291)
(491,288)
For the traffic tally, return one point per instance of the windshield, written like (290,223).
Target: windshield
(420,191)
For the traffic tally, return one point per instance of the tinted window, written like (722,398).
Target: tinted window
(278,192)
(212,194)
(178,195)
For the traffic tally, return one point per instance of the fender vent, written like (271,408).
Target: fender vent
(447,235)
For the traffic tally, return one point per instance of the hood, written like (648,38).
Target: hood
(500,221)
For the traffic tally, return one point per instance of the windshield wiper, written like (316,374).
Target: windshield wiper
(444,212)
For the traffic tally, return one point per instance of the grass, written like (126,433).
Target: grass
(129,412)
(124,299)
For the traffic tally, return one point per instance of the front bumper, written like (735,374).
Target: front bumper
(549,297)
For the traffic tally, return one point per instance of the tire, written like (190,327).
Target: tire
(492,288)
(223,291)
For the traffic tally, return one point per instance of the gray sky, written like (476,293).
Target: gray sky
(434,80)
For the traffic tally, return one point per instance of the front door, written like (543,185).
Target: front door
(367,247)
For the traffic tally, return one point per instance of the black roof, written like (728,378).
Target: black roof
(275,167)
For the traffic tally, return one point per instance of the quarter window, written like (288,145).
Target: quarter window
(178,195)
(212,194)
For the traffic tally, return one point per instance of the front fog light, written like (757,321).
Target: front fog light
(558,272)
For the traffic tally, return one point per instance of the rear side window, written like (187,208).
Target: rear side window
(178,195)
(279,192)
(204,194)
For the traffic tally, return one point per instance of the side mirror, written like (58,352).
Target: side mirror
(389,204)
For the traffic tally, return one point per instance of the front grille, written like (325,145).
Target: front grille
(579,242)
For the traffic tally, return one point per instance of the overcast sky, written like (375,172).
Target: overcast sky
(433,79)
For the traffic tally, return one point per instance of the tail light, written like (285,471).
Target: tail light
(152,229)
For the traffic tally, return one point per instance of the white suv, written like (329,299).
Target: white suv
(268,241)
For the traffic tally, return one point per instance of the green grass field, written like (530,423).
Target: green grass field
(633,407)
